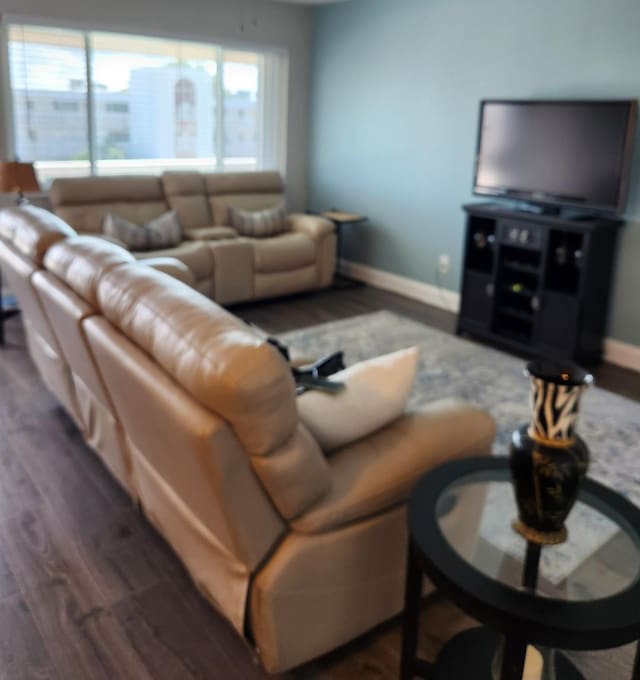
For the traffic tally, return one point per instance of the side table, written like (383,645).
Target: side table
(341,219)
(596,606)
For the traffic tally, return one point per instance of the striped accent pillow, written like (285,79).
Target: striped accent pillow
(259,223)
(163,232)
(132,235)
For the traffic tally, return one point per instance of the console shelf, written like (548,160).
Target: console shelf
(520,267)
(537,284)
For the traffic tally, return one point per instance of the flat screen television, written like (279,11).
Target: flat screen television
(556,153)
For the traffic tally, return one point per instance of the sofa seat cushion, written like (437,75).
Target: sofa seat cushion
(194,254)
(378,472)
(283,253)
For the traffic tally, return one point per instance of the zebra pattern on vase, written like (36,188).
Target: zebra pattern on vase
(554,411)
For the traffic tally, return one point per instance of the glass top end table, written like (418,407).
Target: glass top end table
(583,594)
(600,558)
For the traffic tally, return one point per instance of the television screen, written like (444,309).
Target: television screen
(573,153)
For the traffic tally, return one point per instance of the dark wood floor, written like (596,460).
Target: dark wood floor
(89,590)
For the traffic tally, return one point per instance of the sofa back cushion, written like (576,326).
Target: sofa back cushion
(101,429)
(84,202)
(81,262)
(31,230)
(185,193)
(66,310)
(17,271)
(243,190)
(229,370)
(219,360)
(194,479)
(26,234)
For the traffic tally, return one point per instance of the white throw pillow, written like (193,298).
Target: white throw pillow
(376,393)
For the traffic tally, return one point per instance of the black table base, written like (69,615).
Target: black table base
(410,664)
(470,655)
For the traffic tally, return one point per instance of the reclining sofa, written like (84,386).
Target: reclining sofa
(227,267)
(195,415)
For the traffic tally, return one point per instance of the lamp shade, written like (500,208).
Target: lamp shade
(17,177)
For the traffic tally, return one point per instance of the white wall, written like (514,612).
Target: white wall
(241,23)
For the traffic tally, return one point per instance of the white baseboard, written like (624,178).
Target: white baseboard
(615,351)
(411,288)
(622,354)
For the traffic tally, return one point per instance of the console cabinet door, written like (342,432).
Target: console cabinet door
(477,298)
(558,323)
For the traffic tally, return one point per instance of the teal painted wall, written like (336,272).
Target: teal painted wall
(395,92)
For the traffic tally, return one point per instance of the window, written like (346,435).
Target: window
(48,75)
(118,138)
(115,107)
(65,106)
(144,106)
(241,101)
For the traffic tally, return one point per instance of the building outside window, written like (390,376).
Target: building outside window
(145,106)
(117,107)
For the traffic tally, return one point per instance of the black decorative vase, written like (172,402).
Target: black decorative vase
(548,461)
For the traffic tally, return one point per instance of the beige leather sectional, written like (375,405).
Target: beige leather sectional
(195,415)
(226,267)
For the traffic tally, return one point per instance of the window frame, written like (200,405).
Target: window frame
(276,147)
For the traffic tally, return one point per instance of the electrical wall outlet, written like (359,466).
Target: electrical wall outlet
(444,263)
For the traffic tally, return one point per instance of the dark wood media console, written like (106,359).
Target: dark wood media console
(537,284)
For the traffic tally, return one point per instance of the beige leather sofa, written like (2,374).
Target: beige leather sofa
(226,267)
(195,415)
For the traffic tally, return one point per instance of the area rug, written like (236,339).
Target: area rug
(494,380)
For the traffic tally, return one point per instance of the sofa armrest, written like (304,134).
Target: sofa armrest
(210,234)
(378,472)
(313,226)
(173,267)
